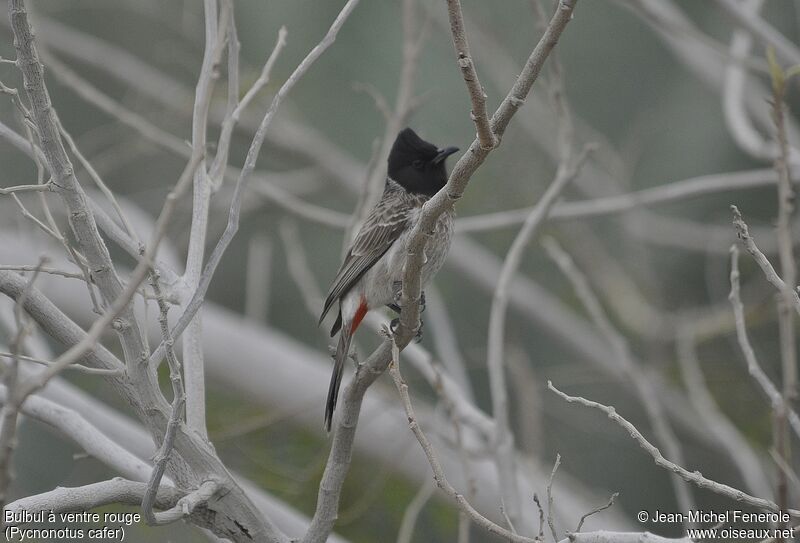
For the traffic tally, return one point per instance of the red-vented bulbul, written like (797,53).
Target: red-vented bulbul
(371,274)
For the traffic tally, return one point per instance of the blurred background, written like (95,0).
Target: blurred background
(644,80)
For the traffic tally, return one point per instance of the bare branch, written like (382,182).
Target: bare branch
(762,261)
(627,367)
(593,511)
(241,184)
(88,497)
(51,271)
(188,503)
(97,180)
(76,428)
(670,192)
(774,396)
(695,477)
(550,521)
(433,460)
(77,367)
(477,95)
(11,379)
(466,167)
(27,188)
(406,531)
(221,160)
(178,402)
(620,537)
(735,445)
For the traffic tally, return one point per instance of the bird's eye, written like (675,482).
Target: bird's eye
(418,164)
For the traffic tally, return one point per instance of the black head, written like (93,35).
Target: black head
(418,165)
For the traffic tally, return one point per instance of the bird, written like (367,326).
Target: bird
(370,275)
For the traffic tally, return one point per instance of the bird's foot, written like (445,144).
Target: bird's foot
(396,322)
(397,293)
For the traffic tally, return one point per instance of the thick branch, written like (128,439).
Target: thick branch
(85,498)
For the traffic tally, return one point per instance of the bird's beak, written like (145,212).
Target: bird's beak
(443,154)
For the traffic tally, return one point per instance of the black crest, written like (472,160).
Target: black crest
(418,165)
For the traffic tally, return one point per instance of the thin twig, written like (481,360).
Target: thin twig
(734,444)
(26,188)
(593,511)
(433,459)
(762,261)
(550,522)
(15,391)
(608,205)
(540,537)
(98,181)
(753,367)
(80,368)
(85,498)
(221,160)
(477,95)
(120,305)
(43,269)
(406,531)
(507,518)
(627,366)
(694,477)
(178,401)
(188,503)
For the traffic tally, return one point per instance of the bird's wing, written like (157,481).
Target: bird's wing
(381,229)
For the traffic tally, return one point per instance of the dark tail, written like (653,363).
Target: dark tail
(342,350)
